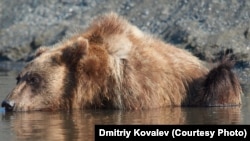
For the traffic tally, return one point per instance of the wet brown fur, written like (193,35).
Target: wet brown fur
(115,65)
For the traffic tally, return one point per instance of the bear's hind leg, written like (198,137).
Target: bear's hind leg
(221,86)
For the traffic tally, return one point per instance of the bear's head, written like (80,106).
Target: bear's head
(54,77)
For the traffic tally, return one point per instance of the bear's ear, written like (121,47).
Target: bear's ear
(72,53)
(40,51)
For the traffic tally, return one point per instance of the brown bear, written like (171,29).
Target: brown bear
(115,65)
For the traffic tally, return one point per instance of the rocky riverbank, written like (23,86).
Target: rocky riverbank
(209,29)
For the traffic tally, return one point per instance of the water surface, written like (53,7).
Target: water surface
(79,124)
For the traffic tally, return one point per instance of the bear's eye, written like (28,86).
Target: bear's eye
(33,80)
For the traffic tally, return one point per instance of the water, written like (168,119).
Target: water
(79,124)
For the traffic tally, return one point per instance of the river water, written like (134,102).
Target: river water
(79,125)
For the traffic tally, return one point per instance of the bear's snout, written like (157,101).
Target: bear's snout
(8,105)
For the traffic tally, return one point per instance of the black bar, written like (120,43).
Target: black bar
(171,132)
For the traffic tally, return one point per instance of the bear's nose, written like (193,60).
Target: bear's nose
(8,105)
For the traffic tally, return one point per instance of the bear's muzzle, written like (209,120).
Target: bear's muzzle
(8,105)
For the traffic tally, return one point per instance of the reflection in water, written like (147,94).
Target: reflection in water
(79,125)
(214,115)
